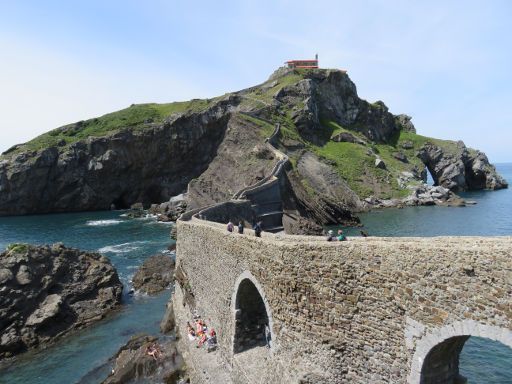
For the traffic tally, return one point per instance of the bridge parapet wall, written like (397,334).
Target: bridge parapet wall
(361,311)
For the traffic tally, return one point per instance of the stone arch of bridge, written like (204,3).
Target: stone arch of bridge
(436,356)
(249,303)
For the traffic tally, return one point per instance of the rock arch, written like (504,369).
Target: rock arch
(252,315)
(436,357)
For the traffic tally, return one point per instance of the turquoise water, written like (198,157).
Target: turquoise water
(482,361)
(82,356)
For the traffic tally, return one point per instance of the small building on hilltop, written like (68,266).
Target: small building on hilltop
(303,63)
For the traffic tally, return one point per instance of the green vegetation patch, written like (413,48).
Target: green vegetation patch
(448,146)
(265,92)
(351,162)
(17,248)
(266,128)
(137,116)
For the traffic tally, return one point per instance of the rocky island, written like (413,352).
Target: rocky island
(47,291)
(343,155)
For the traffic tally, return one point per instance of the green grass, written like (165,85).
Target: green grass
(308,188)
(351,162)
(17,248)
(448,146)
(266,128)
(265,94)
(137,116)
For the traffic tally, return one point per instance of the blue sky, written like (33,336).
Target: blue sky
(445,63)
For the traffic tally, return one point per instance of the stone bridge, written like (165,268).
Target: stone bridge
(368,310)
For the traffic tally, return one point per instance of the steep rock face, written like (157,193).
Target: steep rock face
(334,200)
(48,291)
(148,165)
(461,169)
(331,95)
(132,363)
(242,159)
(154,275)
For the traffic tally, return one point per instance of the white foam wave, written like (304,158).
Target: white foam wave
(122,248)
(103,223)
(160,223)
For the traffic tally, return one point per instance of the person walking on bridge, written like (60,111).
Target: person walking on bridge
(257,229)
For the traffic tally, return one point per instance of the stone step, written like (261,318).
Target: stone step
(270,213)
(274,229)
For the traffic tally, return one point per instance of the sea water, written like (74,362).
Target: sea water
(83,355)
(482,361)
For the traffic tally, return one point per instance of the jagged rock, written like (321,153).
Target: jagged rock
(168,321)
(154,275)
(174,232)
(132,362)
(400,157)
(333,201)
(301,226)
(170,210)
(407,144)
(379,163)
(331,95)
(49,291)
(480,174)
(405,122)
(347,137)
(124,167)
(462,170)
(48,309)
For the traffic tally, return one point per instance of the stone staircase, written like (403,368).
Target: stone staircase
(265,195)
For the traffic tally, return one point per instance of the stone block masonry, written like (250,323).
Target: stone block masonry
(372,310)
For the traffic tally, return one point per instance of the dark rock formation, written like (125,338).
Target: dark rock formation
(154,275)
(405,122)
(122,168)
(332,203)
(331,95)
(170,210)
(49,291)
(241,160)
(460,170)
(379,163)
(132,362)
(400,157)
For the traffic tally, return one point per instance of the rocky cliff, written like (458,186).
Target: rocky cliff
(48,291)
(344,153)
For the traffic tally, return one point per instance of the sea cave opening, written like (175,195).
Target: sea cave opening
(430,178)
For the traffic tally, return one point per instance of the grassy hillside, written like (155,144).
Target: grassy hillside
(137,116)
(356,163)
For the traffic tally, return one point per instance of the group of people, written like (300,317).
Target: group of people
(203,334)
(257,228)
(340,237)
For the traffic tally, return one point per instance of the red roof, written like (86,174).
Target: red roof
(301,61)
